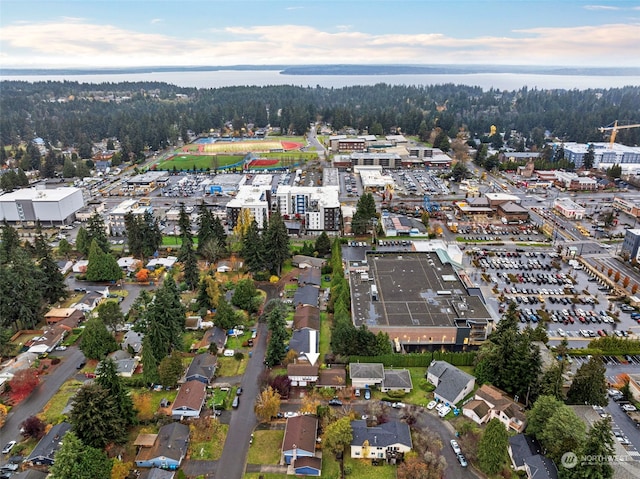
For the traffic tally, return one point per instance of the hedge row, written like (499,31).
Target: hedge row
(418,359)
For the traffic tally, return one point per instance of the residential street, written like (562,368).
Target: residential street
(49,385)
(243,420)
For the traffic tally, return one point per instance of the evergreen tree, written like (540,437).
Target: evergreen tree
(323,244)
(589,157)
(149,362)
(589,385)
(82,241)
(96,417)
(96,341)
(10,242)
(205,226)
(151,234)
(191,270)
(225,317)
(203,300)
(253,249)
(21,283)
(76,460)
(108,378)
(170,370)
(102,266)
(365,212)
(493,447)
(599,447)
(96,230)
(134,234)
(219,232)
(276,240)
(165,320)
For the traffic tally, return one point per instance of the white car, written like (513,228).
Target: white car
(455,446)
(431,405)
(8,447)
(399,405)
(444,411)
(289,414)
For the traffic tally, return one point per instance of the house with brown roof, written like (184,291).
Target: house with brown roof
(55,315)
(211,336)
(335,377)
(190,399)
(306,316)
(490,402)
(299,438)
(302,373)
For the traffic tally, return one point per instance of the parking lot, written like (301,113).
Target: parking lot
(522,232)
(545,289)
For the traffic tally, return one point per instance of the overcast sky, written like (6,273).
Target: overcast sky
(116,33)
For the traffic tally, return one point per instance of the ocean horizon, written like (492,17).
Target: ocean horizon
(227,78)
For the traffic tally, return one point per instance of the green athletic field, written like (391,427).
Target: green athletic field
(201,162)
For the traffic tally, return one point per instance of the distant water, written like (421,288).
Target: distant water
(216,79)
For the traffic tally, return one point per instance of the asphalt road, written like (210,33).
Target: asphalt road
(49,385)
(243,420)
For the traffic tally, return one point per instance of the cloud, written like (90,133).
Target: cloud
(155,21)
(601,7)
(77,42)
(295,8)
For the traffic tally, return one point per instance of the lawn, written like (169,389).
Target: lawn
(262,451)
(360,469)
(52,412)
(236,342)
(325,334)
(148,402)
(219,398)
(231,367)
(186,161)
(265,475)
(210,447)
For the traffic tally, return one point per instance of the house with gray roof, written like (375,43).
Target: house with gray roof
(385,440)
(452,384)
(167,449)
(307,296)
(155,473)
(310,276)
(302,261)
(525,454)
(396,380)
(303,340)
(364,375)
(202,368)
(132,341)
(44,452)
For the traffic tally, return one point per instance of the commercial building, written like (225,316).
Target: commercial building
(573,182)
(605,155)
(626,206)
(631,244)
(50,206)
(319,206)
(145,183)
(256,199)
(568,208)
(115,218)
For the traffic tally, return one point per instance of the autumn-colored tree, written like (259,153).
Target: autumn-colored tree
(142,276)
(33,427)
(609,272)
(626,281)
(309,404)
(120,470)
(4,410)
(414,468)
(22,383)
(267,405)
(243,222)
(634,288)
(616,278)
(142,404)
(290,358)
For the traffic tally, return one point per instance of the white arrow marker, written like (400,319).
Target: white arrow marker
(312,355)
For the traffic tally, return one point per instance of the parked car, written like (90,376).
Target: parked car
(444,411)
(431,405)
(7,448)
(455,446)
(462,460)
(367,394)
(335,402)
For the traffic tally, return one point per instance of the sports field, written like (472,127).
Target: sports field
(186,161)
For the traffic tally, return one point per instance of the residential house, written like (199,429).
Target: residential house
(132,341)
(155,473)
(452,384)
(366,375)
(215,336)
(385,441)
(335,377)
(190,399)
(310,276)
(55,315)
(307,296)
(202,368)
(47,342)
(44,452)
(164,450)
(302,373)
(307,466)
(299,438)
(306,317)
(302,261)
(490,402)
(396,380)
(126,364)
(91,300)
(129,263)
(304,340)
(525,454)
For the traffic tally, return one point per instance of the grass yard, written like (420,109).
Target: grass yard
(219,398)
(231,366)
(148,402)
(235,343)
(360,469)
(325,334)
(210,447)
(421,392)
(263,450)
(52,412)
(265,475)
(130,449)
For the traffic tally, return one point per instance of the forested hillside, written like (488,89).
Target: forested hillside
(155,114)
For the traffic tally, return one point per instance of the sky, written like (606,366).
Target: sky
(129,33)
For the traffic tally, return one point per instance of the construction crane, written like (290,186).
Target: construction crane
(614,131)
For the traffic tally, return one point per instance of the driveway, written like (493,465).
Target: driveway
(49,385)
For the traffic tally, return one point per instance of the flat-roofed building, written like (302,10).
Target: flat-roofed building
(605,155)
(385,160)
(115,218)
(49,206)
(573,182)
(256,199)
(146,182)
(318,205)
(339,144)
(568,208)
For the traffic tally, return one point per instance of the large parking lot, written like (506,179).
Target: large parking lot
(545,289)
(501,232)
